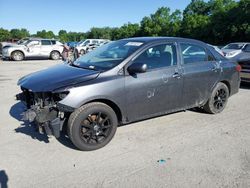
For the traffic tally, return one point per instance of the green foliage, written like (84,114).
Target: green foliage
(45,34)
(161,23)
(212,21)
(4,35)
(19,33)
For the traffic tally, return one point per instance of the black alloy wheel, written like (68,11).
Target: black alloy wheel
(92,126)
(218,99)
(95,128)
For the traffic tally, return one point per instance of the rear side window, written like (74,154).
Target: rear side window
(46,42)
(159,56)
(193,53)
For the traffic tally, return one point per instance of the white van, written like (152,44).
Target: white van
(82,46)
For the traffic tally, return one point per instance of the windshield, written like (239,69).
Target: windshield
(83,43)
(22,41)
(234,46)
(108,56)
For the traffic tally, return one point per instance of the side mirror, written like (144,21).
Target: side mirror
(137,68)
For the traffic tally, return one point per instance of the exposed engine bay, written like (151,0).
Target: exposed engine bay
(43,109)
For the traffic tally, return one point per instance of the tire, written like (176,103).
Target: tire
(218,99)
(92,126)
(55,55)
(82,52)
(17,56)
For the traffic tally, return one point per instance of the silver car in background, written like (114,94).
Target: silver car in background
(85,46)
(33,48)
(233,49)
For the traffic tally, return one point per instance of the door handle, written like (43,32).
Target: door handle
(214,68)
(176,75)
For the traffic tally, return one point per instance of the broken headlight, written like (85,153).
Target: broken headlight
(61,95)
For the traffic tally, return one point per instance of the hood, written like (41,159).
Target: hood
(242,57)
(20,46)
(230,52)
(56,77)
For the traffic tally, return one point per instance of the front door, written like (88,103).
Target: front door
(157,91)
(34,48)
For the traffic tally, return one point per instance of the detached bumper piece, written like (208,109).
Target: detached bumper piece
(47,120)
(44,110)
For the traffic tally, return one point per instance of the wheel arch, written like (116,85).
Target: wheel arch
(113,105)
(227,83)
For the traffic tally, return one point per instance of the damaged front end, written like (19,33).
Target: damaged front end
(44,110)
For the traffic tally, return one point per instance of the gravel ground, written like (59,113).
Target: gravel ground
(185,149)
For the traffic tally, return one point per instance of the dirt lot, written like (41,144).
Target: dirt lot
(197,149)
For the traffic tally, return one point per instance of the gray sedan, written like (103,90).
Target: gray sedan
(126,81)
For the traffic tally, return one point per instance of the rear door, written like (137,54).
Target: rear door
(200,73)
(46,48)
(158,90)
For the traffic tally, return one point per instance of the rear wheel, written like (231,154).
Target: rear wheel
(17,56)
(92,126)
(55,55)
(218,99)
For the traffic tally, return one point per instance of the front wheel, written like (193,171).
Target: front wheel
(17,56)
(218,99)
(92,126)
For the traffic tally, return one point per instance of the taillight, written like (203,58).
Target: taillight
(238,68)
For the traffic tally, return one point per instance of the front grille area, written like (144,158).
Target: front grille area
(41,99)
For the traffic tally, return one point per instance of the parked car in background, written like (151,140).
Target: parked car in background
(72,44)
(126,81)
(82,46)
(217,49)
(243,58)
(92,47)
(34,48)
(233,49)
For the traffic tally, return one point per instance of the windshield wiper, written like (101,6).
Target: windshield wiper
(90,67)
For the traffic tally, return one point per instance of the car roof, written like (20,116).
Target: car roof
(156,39)
(33,38)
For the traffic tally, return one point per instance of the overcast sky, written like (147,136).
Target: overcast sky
(78,15)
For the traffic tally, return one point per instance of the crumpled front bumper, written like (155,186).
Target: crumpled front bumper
(48,119)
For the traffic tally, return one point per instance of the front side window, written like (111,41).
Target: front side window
(46,42)
(108,56)
(158,56)
(193,53)
(31,43)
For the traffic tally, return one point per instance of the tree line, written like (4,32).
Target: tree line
(214,21)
